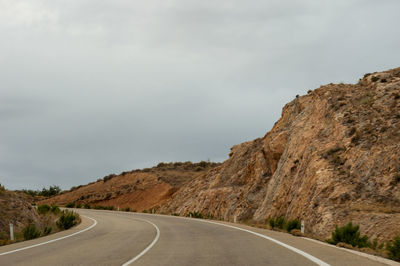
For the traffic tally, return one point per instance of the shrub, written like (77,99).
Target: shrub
(271,222)
(43,209)
(393,248)
(280,222)
(349,234)
(67,220)
(78,205)
(30,232)
(127,209)
(47,230)
(108,177)
(86,206)
(144,211)
(108,196)
(55,209)
(195,214)
(293,224)
(2,188)
(70,205)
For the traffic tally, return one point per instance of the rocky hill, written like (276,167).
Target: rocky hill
(333,157)
(138,189)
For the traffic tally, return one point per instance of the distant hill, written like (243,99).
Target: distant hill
(139,190)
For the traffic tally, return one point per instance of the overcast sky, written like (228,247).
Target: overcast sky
(92,87)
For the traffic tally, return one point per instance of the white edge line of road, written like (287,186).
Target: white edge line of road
(53,240)
(366,255)
(148,247)
(298,251)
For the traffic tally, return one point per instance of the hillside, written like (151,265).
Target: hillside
(16,208)
(333,157)
(138,189)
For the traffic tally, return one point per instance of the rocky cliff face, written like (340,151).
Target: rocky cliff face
(333,157)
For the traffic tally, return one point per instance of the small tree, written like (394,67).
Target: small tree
(30,232)
(349,234)
(393,248)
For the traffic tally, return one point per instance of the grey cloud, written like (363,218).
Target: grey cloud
(93,87)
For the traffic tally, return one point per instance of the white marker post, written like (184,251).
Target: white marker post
(234,219)
(11,232)
(152,211)
(302,226)
(190,215)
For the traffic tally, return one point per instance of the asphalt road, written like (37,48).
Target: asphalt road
(118,238)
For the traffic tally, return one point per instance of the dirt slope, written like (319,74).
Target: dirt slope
(15,207)
(139,189)
(333,157)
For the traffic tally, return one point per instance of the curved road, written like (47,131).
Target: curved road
(120,238)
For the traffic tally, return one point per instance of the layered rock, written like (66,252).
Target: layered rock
(333,157)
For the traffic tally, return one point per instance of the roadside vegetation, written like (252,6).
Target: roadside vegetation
(349,236)
(45,192)
(51,220)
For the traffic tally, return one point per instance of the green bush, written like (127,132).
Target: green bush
(349,234)
(144,211)
(47,230)
(280,222)
(271,222)
(30,232)
(43,209)
(393,248)
(127,209)
(86,206)
(293,224)
(70,205)
(67,220)
(55,209)
(78,205)
(195,214)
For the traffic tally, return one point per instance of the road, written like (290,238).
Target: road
(118,238)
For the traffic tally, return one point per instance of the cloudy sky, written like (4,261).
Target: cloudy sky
(92,87)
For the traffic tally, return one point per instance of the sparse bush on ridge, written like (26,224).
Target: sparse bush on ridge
(86,206)
(349,234)
(30,232)
(51,191)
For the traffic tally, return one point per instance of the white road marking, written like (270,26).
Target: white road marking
(148,247)
(298,251)
(53,240)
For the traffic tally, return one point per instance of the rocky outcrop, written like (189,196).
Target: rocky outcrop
(333,157)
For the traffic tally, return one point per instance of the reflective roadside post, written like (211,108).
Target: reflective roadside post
(234,219)
(302,226)
(11,232)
